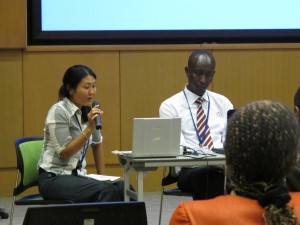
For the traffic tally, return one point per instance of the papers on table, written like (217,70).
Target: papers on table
(112,179)
(118,152)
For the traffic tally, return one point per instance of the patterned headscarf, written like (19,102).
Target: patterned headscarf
(261,146)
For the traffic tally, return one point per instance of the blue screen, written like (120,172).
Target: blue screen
(94,15)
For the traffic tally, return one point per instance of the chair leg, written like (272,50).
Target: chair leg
(12,210)
(161,198)
(161,203)
(13,201)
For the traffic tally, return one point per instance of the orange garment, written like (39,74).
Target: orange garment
(225,210)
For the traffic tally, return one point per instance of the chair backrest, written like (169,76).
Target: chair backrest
(28,150)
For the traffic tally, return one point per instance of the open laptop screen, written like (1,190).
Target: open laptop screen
(156,137)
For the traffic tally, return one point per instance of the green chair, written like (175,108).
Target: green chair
(28,150)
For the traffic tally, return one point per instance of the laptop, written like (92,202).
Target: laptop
(101,213)
(230,112)
(156,137)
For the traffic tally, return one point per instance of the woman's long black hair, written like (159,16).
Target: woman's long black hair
(71,79)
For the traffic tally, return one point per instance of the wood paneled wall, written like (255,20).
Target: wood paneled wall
(11,98)
(132,81)
(13,24)
(248,75)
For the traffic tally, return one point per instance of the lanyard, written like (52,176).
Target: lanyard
(85,145)
(201,139)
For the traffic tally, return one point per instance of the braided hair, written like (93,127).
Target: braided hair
(261,147)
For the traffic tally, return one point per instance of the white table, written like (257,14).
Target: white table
(143,165)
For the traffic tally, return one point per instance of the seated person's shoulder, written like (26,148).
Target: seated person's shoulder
(174,99)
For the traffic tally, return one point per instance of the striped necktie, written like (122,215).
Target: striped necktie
(202,126)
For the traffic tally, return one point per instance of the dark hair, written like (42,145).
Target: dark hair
(71,79)
(261,147)
(297,98)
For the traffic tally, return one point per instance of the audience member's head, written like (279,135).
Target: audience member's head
(297,104)
(261,147)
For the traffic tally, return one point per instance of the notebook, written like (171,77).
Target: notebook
(156,137)
(229,115)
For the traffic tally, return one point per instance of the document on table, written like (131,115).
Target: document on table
(99,177)
(118,152)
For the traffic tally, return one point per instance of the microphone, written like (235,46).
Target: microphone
(98,118)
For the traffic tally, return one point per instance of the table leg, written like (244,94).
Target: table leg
(140,182)
(126,176)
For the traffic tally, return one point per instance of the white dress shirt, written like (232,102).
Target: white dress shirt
(183,105)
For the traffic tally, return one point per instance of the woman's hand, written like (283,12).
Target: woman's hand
(95,111)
